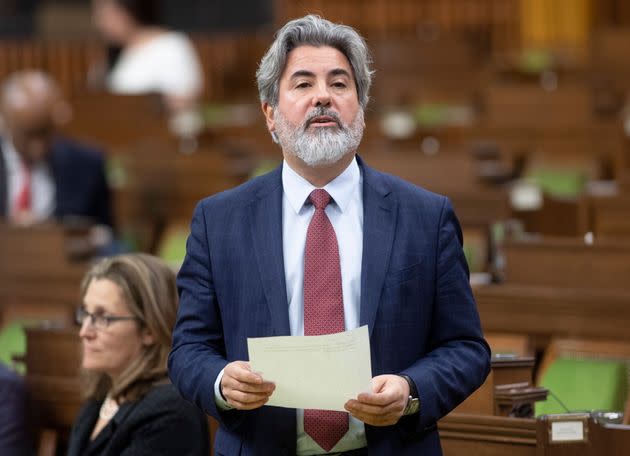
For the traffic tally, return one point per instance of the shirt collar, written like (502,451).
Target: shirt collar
(11,157)
(341,188)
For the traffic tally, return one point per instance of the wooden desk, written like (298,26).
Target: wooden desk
(610,217)
(568,263)
(52,367)
(112,121)
(449,172)
(562,288)
(463,434)
(37,278)
(506,391)
(466,434)
(546,312)
(158,186)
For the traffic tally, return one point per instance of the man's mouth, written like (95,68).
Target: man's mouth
(323,121)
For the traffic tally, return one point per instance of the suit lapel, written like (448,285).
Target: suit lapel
(266,230)
(83,427)
(379,223)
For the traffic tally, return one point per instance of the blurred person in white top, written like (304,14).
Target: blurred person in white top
(147,58)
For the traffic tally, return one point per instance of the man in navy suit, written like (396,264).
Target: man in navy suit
(41,176)
(398,268)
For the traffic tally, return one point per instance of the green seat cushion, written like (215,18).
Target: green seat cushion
(12,342)
(173,247)
(584,385)
(563,183)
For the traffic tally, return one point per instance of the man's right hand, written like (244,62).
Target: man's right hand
(244,389)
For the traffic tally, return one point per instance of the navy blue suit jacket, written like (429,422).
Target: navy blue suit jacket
(80,182)
(415,299)
(15,431)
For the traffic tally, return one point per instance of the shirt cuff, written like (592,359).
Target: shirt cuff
(218,397)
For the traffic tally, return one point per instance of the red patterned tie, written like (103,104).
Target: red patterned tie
(23,200)
(323,309)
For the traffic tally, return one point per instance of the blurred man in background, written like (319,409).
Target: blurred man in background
(41,175)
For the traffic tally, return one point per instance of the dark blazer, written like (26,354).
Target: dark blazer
(161,423)
(15,431)
(415,300)
(80,182)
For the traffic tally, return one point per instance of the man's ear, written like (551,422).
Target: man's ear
(268,111)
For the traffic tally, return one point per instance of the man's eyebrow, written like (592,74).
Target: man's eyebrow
(302,73)
(339,72)
(310,74)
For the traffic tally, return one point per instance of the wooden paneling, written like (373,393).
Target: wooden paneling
(568,263)
(494,22)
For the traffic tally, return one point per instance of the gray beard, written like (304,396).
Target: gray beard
(323,146)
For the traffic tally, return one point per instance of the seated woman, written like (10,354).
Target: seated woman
(147,58)
(129,303)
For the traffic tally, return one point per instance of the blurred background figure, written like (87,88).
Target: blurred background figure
(128,308)
(41,175)
(145,58)
(15,433)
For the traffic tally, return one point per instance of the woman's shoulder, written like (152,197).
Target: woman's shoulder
(172,40)
(161,422)
(165,397)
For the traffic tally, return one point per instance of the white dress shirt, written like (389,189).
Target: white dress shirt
(345,212)
(42,184)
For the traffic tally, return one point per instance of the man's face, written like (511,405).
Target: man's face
(318,117)
(31,131)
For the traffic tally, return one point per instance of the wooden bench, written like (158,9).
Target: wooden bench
(609,217)
(451,172)
(113,121)
(156,187)
(37,277)
(52,375)
(560,288)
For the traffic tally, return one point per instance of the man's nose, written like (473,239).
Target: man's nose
(322,96)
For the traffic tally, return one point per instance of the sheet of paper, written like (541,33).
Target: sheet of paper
(317,372)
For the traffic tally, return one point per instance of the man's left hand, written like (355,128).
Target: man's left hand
(384,405)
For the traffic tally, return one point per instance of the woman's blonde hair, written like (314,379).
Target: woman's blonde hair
(148,288)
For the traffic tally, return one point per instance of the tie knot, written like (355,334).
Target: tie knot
(320,198)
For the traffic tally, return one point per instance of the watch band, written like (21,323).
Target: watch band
(413,401)
(413,392)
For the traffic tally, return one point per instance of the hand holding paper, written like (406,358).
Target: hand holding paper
(244,389)
(384,405)
(317,372)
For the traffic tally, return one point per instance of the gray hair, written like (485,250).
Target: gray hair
(313,30)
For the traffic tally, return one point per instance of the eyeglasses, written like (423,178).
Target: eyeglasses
(99,321)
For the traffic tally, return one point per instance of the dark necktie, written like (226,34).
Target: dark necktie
(323,309)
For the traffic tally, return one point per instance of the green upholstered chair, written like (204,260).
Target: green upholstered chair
(13,343)
(584,385)
(565,183)
(172,249)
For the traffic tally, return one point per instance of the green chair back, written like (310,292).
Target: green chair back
(584,385)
